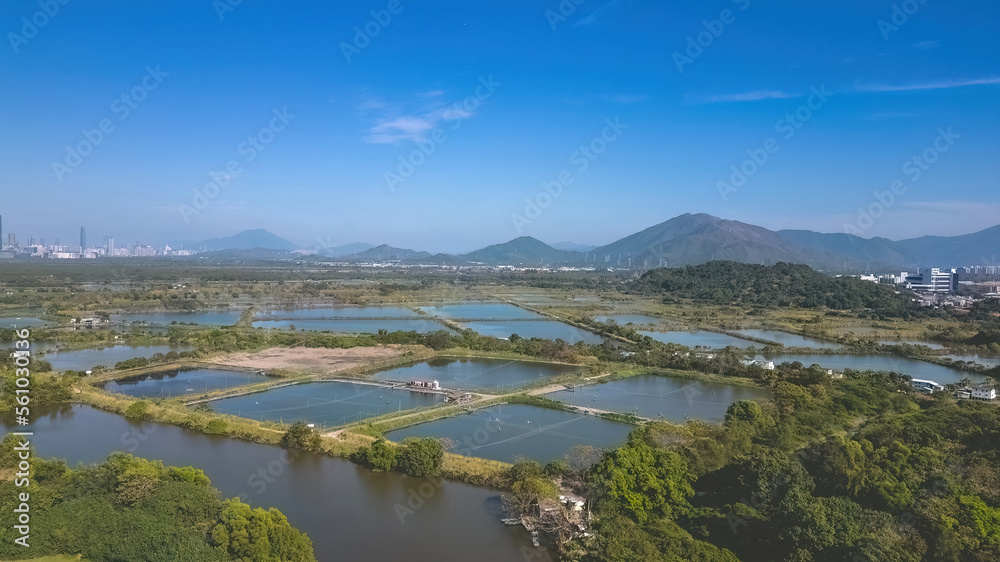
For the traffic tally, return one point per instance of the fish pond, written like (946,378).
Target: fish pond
(789,340)
(324,403)
(180,382)
(84,359)
(506,432)
(656,397)
(474,374)
(700,338)
(914,368)
(202,318)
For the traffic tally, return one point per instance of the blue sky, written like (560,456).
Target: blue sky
(502,96)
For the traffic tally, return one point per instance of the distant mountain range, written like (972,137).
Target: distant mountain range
(688,239)
(573,246)
(247,240)
(345,250)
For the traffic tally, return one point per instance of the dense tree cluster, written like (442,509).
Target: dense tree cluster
(415,456)
(829,470)
(129,509)
(780,285)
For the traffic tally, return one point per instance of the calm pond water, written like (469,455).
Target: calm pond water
(337,312)
(988,360)
(472,374)
(912,367)
(657,397)
(349,326)
(324,403)
(178,382)
(481,311)
(83,359)
(789,340)
(504,433)
(203,318)
(622,319)
(700,338)
(19,322)
(546,329)
(929,344)
(349,512)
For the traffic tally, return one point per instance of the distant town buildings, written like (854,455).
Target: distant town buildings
(982,270)
(930,280)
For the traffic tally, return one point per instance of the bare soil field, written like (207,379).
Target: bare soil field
(318,360)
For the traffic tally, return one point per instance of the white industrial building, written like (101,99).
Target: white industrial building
(933,280)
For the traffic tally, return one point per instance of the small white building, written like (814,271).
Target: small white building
(984,392)
(927,386)
(574,503)
(762,363)
(425,383)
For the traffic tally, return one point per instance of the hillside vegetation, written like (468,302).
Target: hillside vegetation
(779,285)
(856,469)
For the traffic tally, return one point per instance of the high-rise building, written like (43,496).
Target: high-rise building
(83,239)
(109,245)
(933,280)
(1,231)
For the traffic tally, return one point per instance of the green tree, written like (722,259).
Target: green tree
(380,456)
(643,481)
(301,436)
(255,535)
(420,456)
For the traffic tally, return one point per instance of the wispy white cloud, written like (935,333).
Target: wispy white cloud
(600,12)
(369,104)
(944,84)
(745,96)
(919,46)
(627,99)
(890,115)
(413,119)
